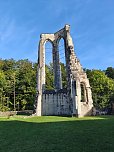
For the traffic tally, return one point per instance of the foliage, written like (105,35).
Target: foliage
(110,72)
(18,84)
(50,76)
(3,108)
(63,72)
(102,88)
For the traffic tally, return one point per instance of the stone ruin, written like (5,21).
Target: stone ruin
(76,99)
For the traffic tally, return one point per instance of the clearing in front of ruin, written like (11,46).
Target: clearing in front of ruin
(57,134)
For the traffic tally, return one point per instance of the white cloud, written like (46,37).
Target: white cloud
(7,29)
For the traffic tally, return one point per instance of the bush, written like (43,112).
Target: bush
(3,108)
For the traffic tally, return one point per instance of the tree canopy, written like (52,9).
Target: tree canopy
(102,88)
(18,84)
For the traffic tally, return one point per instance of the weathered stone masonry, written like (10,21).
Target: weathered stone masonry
(76,99)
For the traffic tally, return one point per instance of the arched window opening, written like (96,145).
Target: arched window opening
(83,93)
(87,96)
(49,81)
(74,88)
(61,49)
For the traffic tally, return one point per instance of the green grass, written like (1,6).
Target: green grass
(57,134)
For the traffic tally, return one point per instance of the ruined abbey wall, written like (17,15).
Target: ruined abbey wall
(77,100)
(55,104)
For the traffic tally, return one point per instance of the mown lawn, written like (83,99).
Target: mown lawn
(57,134)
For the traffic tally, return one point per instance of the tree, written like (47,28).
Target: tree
(49,76)
(102,88)
(64,76)
(26,84)
(3,99)
(8,64)
(20,83)
(110,72)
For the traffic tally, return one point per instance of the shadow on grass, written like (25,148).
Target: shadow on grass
(61,136)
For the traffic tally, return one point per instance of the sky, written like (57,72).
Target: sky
(91,23)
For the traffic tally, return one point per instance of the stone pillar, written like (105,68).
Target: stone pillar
(40,77)
(89,96)
(56,68)
(70,81)
(79,99)
(74,97)
(61,86)
(42,64)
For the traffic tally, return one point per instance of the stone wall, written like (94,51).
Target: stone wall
(55,104)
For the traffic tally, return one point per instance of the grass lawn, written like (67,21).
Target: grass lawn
(57,134)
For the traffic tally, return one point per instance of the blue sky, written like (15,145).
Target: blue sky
(91,21)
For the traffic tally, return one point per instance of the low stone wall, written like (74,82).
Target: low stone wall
(7,113)
(25,112)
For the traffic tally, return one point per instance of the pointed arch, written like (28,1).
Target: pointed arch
(49,78)
(62,60)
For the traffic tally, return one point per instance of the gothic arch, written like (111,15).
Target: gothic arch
(59,38)
(48,40)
